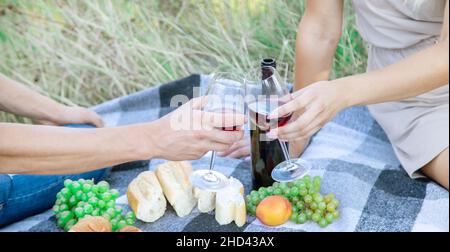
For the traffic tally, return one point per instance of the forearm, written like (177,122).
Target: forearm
(18,99)
(55,150)
(418,74)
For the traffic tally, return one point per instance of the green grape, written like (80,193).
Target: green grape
(70,224)
(76,186)
(294,192)
(59,196)
(331,207)
(58,202)
(329,217)
(316,188)
(129,222)
(295,208)
(88,209)
(90,195)
(308,214)
(56,209)
(302,218)
(291,184)
(295,199)
(308,199)
(101,204)
(84,197)
(79,212)
(303,192)
(114,193)
(307,179)
(103,186)
(95,189)
(253,210)
(248,198)
(328,198)
(270,190)
(78,195)
(315,217)
(276,185)
(66,216)
(323,223)
(312,191)
(300,205)
(72,201)
(301,184)
(318,198)
(262,191)
(283,185)
(110,204)
(96,212)
(254,193)
(93,201)
(277,191)
(60,223)
(87,188)
(255,199)
(317,179)
(130,215)
(65,193)
(63,207)
(322,205)
(335,214)
(286,192)
(262,197)
(114,223)
(67,182)
(335,202)
(106,216)
(319,212)
(313,206)
(294,217)
(121,224)
(118,210)
(111,212)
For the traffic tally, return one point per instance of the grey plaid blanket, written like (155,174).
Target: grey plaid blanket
(351,153)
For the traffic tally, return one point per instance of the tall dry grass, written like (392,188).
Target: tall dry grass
(85,51)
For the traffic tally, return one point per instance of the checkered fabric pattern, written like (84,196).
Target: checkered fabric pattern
(351,153)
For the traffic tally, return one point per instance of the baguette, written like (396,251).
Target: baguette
(174,179)
(145,196)
(206,200)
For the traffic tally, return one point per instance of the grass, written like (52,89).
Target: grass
(86,52)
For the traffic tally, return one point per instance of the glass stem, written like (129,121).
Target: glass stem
(285,151)
(211,162)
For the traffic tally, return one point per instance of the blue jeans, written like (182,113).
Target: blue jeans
(22,196)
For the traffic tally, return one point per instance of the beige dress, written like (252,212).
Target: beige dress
(395,29)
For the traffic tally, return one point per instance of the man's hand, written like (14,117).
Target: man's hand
(74,115)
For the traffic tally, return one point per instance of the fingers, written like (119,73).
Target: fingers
(199,102)
(297,104)
(224,137)
(96,120)
(238,148)
(303,122)
(219,120)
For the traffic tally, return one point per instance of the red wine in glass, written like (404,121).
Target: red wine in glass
(259,112)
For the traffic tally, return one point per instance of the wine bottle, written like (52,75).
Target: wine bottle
(266,153)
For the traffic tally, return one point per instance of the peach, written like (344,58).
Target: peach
(274,210)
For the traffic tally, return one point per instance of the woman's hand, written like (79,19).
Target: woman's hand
(315,105)
(73,115)
(239,149)
(189,133)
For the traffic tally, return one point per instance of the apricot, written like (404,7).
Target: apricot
(274,210)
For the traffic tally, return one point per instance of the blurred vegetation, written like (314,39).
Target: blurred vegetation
(88,51)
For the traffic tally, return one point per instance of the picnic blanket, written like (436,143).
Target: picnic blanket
(351,153)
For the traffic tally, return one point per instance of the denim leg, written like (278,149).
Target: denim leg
(22,196)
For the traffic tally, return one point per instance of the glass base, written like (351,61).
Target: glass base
(291,171)
(208,180)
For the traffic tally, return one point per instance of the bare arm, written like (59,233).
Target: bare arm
(186,134)
(318,36)
(20,100)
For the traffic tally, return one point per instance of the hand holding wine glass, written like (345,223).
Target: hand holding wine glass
(225,99)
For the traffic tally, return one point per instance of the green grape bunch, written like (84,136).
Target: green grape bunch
(82,198)
(308,204)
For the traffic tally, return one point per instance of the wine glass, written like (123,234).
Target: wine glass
(265,92)
(225,95)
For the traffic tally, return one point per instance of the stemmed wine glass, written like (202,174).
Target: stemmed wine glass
(265,92)
(225,95)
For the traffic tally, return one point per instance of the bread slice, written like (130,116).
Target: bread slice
(206,200)
(145,196)
(230,204)
(174,179)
